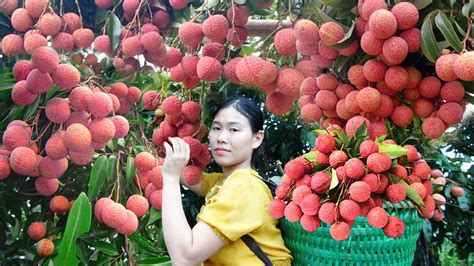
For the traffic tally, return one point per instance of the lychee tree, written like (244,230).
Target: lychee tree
(92,89)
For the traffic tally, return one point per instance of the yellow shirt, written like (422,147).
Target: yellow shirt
(236,206)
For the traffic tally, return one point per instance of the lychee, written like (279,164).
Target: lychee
(36,230)
(395,193)
(377,217)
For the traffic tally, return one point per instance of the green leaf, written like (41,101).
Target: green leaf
(468,8)
(78,222)
(340,3)
(15,113)
(161,260)
(361,131)
(212,3)
(420,4)
(111,168)
(323,18)
(98,176)
(155,215)
(394,151)
(240,2)
(334,179)
(429,46)
(114,29)
(341,62)
(346,40)
(106,248)
(447,29)
(143,243)
(129,170)
(343,137)
(411,193)
(311,156)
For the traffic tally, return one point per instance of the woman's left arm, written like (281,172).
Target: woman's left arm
(186,246)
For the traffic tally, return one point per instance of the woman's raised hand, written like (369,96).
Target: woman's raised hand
(177,157)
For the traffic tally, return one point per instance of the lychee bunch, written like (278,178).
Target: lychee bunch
(336,182)
(116,216)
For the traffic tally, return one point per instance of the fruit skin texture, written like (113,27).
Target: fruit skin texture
(369,99)
(451,113)
(433,127)
(464,66)
(395,50)
(310,222)
(239,15)
(66,76)
(330,33)
(445,67)
(36,230)
(325,143)
(57,110)
(379,162)
(340,231)
(406,14)
(45,247)
(215,27)
(320,182)
(285,42)
(77,137)
(354,168)
(359,191)
(383,24)
(394,228)
(377,217)
(255,71)
(276,208)
(293,212)
(457,191)
(349,209)
(131,224)
(45,59)
(190,33)
(23,160)
(396,193)
(306,31)
(59,204)
(209,69)
(402,116)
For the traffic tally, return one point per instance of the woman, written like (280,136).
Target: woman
(236,200)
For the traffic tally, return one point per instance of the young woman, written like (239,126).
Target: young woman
(236,199)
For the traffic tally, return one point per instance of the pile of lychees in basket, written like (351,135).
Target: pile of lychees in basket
(345,177)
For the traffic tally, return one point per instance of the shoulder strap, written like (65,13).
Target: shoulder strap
(270,184)
(253,246)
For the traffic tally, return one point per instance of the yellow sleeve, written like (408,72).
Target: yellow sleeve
(236,210)
(208,181)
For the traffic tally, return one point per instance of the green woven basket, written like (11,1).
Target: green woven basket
(365,246)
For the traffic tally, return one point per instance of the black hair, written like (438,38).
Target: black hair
(251,110)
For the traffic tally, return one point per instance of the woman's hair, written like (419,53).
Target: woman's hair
(251,110)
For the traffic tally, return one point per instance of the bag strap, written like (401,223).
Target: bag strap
(253,246)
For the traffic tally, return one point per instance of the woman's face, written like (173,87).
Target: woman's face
(232,140)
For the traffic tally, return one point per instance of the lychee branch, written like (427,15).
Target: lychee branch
(464,42)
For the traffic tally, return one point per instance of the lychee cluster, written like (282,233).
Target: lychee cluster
(38,75)
(348,184)
(123,219)
(380,88)
(183,120)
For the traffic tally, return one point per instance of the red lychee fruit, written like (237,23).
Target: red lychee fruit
(394,228)
(276,208)
(377,217)
(330,33)
(382,23)
(396,193)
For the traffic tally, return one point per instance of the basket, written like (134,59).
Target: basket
(365,246)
